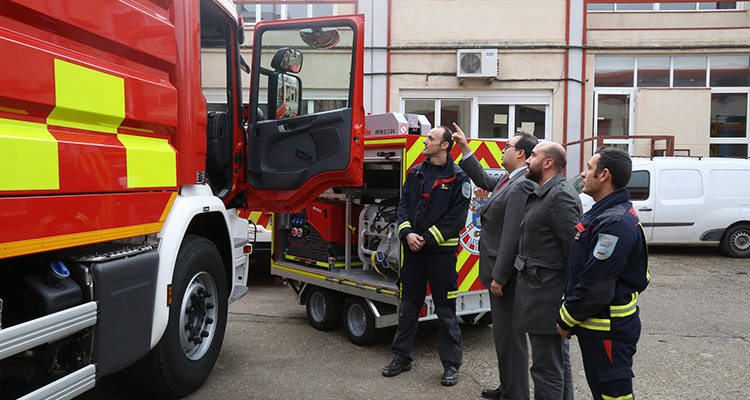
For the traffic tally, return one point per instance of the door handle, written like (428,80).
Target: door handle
(645,209)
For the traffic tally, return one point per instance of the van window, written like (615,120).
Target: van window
(680,184)
(639,185)
(730,184)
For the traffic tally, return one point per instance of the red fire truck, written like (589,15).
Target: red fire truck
(120,243)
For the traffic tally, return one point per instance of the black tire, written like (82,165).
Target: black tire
(359,322)
(323,308)
(186,353)
(736,241)
(471,319)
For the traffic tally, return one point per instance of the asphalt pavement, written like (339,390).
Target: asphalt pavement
(695,344)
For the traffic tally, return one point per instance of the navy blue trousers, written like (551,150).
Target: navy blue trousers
(609,367)
(439,270)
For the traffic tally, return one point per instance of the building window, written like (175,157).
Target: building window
(253,11)
(689,71)
(728,77)
(677,6)
(730,71)
(729,136)
(613,71)
(653,71)
(498,115)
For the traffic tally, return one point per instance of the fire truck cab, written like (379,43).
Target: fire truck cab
(120,240)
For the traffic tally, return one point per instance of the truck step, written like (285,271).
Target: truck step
(67,387)
(27,335)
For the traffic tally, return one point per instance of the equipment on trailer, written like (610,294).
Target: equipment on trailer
(364,295)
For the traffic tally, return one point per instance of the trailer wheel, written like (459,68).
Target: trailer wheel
(186,353)
(736,241)
(323,309)
(477,320)
(359,322)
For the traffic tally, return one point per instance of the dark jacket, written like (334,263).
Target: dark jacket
(548,227)
(434,204)
(501,219)
(608,269)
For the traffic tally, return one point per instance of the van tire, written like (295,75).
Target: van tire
(736,241)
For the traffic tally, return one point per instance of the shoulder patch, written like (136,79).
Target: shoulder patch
(466,190)
(605,246)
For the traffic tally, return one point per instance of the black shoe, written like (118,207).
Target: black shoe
(396,367)
(450,377)
(493,394)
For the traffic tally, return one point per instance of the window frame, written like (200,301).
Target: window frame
(734,140)
(285,9)
(656,7)
(539,97)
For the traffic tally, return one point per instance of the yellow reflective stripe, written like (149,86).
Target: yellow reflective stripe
(626,309)
(87,99)
(565,316)
(76,239)
(596,324)
(449,242)
(151,162)
(452,295)
(626,397)
(168,207)
(436,234)
(405,224)
(28,156)
(385,141)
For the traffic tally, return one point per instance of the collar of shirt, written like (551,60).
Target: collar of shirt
(517,171)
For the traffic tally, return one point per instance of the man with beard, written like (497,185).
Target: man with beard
(552,211)
(431,213)
(501,218)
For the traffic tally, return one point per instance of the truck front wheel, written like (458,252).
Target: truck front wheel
(186,353)
(736,241)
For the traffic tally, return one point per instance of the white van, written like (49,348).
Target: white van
(691,201)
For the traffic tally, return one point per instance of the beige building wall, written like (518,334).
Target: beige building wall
(682,113)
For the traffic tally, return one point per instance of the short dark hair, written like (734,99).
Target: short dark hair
(557,154)
(526,142)
(618,162)
(447,136)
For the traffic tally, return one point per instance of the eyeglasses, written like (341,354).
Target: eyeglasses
(508,145)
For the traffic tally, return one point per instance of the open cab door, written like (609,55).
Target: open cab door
(303,142)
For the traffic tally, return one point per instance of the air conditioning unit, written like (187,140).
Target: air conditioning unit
(476,63)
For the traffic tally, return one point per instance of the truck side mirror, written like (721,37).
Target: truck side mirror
(287,59)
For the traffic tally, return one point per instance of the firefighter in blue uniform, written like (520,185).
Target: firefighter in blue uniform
(431,213)
(607,270)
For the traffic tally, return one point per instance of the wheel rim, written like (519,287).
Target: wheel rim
(318,307)
(741,240)
(356,320)
(198,316)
